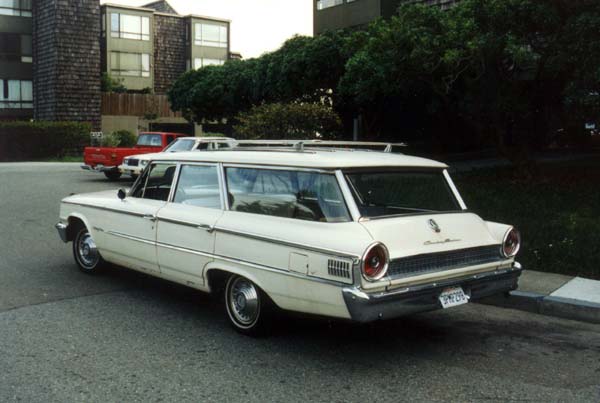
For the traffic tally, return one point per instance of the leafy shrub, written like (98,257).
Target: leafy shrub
(558,215)
(124,138)
(288,121)
(22,140)
(111,84)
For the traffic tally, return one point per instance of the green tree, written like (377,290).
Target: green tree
(215,92)
(501,71)
(303,70)
(288,121)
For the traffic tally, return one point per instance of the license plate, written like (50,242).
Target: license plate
(452,297)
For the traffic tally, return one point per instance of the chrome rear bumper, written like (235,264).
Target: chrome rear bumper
(99,168)
(367,307)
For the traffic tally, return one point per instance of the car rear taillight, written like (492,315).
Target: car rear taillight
(375,262)
(511,243)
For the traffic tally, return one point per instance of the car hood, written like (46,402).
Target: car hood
(95,198)
(413,235)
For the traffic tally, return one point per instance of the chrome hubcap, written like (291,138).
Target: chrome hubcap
(88,253)
(243,301)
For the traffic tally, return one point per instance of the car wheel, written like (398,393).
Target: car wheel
(248,308)
(112,175)
(86,253)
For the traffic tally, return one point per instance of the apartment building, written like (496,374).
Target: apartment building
(340,14)
(54,52)
(16,67)
(147,48)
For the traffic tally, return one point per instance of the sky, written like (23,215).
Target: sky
(257,26)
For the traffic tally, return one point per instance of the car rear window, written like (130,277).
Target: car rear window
(153,140)
(388,193)
(311,196)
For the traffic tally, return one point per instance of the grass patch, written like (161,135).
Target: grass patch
(558,213)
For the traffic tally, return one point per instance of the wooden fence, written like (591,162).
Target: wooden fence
(143,105)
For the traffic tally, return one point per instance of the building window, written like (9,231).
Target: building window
(15,47)
(20,8)
(127,26)
(321,4)
(210,35)
(16,94)
(130,64)
(202,62)
(26,49)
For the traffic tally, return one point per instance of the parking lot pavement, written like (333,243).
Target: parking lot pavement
(123,336)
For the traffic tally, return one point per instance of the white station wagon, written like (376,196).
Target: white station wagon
(342,233)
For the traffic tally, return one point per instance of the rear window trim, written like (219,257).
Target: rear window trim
(441,171)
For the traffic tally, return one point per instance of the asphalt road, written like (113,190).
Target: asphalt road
(125,337)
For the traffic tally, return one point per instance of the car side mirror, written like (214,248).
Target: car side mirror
(122,194)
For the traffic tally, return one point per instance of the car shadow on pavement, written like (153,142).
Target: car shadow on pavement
(414,330)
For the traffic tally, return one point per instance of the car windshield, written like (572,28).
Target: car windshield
(181,145)
(152,140)
(386,193)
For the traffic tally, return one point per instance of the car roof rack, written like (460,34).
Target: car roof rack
(301,145)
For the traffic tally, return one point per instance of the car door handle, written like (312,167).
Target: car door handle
(150,217)
(206,227)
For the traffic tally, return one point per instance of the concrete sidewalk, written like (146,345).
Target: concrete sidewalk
(553,295)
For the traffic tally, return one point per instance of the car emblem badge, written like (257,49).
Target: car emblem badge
(434,226)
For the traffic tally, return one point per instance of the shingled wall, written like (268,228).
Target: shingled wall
(66,54)
(161,6)
(170,51)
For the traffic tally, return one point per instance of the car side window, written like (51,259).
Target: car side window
(156,182)
(170,139)
(198,186)
(301,195)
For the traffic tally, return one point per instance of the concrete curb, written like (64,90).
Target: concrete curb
(565,308)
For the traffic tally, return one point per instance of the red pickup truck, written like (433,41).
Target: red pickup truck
(108,159)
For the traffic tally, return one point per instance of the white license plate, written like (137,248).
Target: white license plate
(452,297)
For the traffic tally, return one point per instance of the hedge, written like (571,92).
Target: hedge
(22,141)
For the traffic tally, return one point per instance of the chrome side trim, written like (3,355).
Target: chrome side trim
(454,190)
(279,271)
(105,209)
(131,237)
(288,243)
(278,167)
(185,250)
(347,195)
(223,187)
(228,259)
(383,217)
(178,222)
(174,183)
(330,252)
